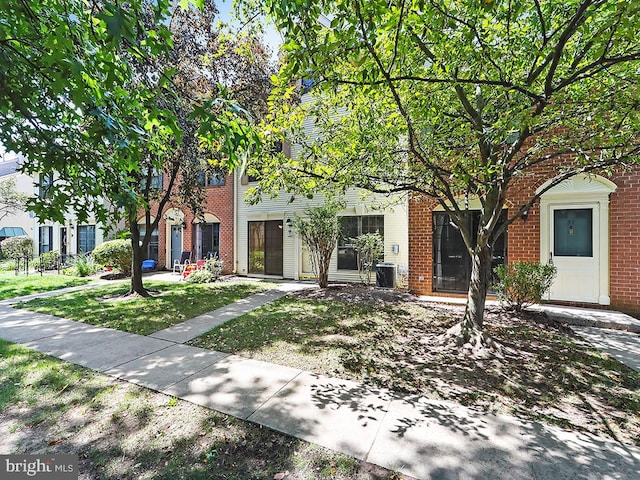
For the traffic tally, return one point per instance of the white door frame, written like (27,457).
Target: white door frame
(172,217)
(590,192)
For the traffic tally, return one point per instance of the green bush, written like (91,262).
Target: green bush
(47,261)
(115,253)
(82,266)
(200,276)
(215,266)
(523,283)
(7,265)
(210,273)
(17,247)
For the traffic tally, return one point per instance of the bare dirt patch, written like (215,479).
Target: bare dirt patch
(544,371)
(349,292)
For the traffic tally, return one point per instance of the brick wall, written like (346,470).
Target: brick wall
(218,202)
(524,236)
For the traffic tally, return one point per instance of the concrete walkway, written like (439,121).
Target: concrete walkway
(412,435)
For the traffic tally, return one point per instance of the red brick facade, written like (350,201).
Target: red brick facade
(219,203)
(523,238)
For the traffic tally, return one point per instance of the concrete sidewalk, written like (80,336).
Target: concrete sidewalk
(194,327)
(412,435)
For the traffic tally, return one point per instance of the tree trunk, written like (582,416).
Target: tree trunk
(323,273)
(136,266)
(471,325)
(469,332)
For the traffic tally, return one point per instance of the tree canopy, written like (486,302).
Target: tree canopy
(456,99)
(119,94)
(99,96)
(11,200)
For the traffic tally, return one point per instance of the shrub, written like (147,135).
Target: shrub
(370,249)
(200,276)
(82,266)
(320,232)
(47,261)
(115,253)
(523,283)
(215,266)
(17,247)
(210,273)
(7,265)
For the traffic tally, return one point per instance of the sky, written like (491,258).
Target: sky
(272,37)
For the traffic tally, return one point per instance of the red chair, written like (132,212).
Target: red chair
(188,270)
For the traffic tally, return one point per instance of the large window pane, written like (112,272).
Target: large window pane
(208,238)
(86,238)
(265,247)
(211,179)
(347,258)
(45,239)
(451,263)
(573,232)
(46,183)
(273,248)
(352,227)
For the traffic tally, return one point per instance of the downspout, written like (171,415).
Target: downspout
(235,223)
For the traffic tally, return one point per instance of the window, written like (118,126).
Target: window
(156,180)
(573,232)
(46,182)
(207,240)
(152,247)
(214,179)
(86,238)
(451,260)
(352,227)
(45,239)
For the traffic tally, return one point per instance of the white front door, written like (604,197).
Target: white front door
(574,249)
(307,268)
(574,234)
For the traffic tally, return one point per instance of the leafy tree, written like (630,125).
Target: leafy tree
(320,231)
(370,249)
(117,94)
(210,69)
(454,101)
(11,201)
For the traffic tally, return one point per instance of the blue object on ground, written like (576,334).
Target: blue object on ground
(148,265)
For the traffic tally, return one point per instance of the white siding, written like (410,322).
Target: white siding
(24,184)
(395,229)
(396,223)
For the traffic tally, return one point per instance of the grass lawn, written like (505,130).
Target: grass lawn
(171,303)
(12,285)
(122,431)
(546,372)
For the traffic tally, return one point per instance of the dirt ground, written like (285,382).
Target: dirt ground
(543,372)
